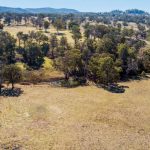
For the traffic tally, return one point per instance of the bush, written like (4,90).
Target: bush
(34,76)
(48,64)
(70,83)
(143,74)
(22,66)
(81,80)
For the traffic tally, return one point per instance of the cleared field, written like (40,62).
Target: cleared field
(13,30)
(83,118)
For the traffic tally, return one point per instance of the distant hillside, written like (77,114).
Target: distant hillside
(37,10)
(12,10)
(129,12)
(136,12)
(48,10)
(51,10)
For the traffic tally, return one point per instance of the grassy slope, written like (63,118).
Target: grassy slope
(80,118)
(15,29)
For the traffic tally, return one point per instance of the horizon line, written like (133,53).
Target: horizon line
(123,10)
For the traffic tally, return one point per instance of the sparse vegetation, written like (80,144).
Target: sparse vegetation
(68,71)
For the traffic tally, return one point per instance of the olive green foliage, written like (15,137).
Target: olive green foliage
(33,55)
(103,69)
(146,60)
(22,66)
(76,33)
(48,64)
(123,53)
(148,35)
(71,63)
(34,76)
(59,24)
(7,47)
(46,25)
(53,45)
(107,51)
(12,74)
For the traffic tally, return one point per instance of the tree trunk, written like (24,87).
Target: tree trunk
(0,89)
(57,31)
(66,76)
(85,69)
(52,54)
(24,44)
(19,43)
(12,85)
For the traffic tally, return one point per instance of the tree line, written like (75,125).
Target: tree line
(104,54)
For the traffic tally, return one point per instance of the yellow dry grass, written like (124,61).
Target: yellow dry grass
(82,118)
(13,30)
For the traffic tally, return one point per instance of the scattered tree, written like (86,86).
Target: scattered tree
(12,74)
(46,25)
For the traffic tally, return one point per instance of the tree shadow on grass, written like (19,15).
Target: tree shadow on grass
(136,78)
(12,145)
(16,92)
(59,34)
(67,84)
(113,88)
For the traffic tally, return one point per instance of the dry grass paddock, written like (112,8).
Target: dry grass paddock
(15,29)
(82,118)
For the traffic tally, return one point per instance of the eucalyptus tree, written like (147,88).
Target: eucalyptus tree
(7,47)
(12,74)
(53,45)
(19,36)
(46,25)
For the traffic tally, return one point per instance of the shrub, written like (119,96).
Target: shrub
(70,83)
(143,74)
(48,64)
(22,66)
(35,76)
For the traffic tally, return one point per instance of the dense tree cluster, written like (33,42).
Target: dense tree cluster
(103,53)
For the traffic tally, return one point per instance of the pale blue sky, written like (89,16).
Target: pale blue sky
(82,5)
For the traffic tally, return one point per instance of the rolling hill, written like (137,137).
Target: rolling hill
(46,10)
(49,10)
